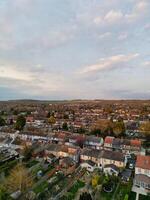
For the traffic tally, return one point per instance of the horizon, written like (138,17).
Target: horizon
(66,50)
(60,100)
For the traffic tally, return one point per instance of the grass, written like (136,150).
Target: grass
(78,184)
(143,197)
(31,163)
(123,190)
(107,196)
(132,196)
(8,166)
(40,188)
(73,190)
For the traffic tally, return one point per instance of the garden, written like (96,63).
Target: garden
(73,190)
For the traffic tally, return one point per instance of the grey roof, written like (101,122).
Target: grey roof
(126,173)
(53,147)
(114,167)
(92,153)
(142,178)
(90,163)
(113,155)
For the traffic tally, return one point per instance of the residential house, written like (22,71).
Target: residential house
(68,165)
(89,165)
(113,157)
(142,172)
(93,155)
(93,142)
(111,169)
(123,145)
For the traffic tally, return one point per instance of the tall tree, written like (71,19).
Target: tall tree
(145,128)
(85,196)
(20,123)
(118,128)
(19,179)
(65,126)
(52,120)
(2,121)
(4,194)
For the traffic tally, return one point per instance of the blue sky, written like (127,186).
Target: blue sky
(69,49)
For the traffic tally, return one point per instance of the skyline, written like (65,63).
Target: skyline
(61,49)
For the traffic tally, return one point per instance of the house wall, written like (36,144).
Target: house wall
(142,171)
(117,163)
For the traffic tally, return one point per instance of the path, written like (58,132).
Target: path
(113,197)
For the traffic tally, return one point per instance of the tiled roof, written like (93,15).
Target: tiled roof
(109,139)
(143,162)
(136,143)
(92,153)
(113,155)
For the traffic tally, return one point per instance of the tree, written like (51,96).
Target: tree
(85,196)
(66,116)
(81,130)
(126,197)
(104,126)
(118,128)
(4,194)
(145,128)
(20,123)
(96,132)
(2,121)
(27,153)
(52,120)
(48,114)
(95,180)
(65,126)
(19,179)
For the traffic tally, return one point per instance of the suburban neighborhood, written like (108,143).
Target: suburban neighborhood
(106,156)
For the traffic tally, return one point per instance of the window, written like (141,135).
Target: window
(139,170)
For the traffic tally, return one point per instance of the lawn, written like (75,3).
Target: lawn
(40,188)
(123,190)
(78,184)
(31,163)
(8,166)
(107,196)
(132,196)
(73,190)
(143,197)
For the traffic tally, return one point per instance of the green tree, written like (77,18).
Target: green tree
(2,121)
(65,126)
(48,114)
(81,130)
(20,123)
(27,153)
(4,194)
(66,116)
(85,196)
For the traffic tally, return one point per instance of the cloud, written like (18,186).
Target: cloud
(109,62)
(104,35)
(140,9)
(13,73)
(30,80)
(122,36)
(113,16)
(147,63)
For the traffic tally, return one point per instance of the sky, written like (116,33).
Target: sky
(74,49)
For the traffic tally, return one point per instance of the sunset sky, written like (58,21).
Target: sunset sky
(74,49)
